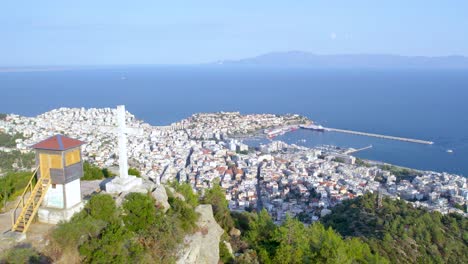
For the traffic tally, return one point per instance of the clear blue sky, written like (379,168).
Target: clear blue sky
(98,32)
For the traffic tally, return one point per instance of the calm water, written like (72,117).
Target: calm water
(423,104)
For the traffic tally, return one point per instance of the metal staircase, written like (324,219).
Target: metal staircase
(30,204)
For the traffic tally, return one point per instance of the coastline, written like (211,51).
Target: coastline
(201,149)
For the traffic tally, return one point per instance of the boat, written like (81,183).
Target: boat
(274,132)
(271,133)
(313,127)
(449,151)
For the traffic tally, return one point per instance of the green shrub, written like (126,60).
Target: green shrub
(12,185)
(80,228)
(162,239)
(293,242)
(184,212)
(224,254)
(140,234)
(91,172)
(140,212)
(24,161)
(186,190)
(397,226)
(9,141)
(217,198)
(107,173)
(248,257)
(134,172)
(114,245)
(20,254)
(102,207)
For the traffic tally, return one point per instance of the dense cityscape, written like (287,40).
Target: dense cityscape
(207,149)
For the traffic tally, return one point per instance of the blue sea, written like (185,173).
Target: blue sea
(424,104)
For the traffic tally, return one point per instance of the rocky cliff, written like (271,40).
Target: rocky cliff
(202,247)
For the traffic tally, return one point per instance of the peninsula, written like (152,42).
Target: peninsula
(201,150)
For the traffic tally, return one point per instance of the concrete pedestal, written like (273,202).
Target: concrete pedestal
(119,184)
(54,216)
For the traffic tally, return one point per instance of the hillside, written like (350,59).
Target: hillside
(355,232)
(401,233)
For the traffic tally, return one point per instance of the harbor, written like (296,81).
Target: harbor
(352,150)
(320,128)
(411,140)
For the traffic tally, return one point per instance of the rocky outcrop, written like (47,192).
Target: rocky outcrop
(176,194)
(235,232)
(160,195)
(202,247)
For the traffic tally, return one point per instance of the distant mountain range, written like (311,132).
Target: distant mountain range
(306,59)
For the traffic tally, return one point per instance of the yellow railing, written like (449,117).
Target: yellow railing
(31,202)
(35,204)
(29,188)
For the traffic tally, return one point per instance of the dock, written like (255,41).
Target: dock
(352,150)
(412,140)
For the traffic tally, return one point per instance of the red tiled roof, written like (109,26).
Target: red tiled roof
(58,142)
(206,151)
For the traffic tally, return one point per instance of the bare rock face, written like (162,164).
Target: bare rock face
(202,247)
(160,195)
(235,232)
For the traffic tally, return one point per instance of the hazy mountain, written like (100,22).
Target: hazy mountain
(306,59)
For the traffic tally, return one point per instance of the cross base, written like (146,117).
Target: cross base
(119,184)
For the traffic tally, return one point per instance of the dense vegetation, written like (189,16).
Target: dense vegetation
(217,198)
(9,141)
(294,242)
(92,172)
(135,233)
(402,233)
(362,163)
(340,160)
(12,185)
(15,160)
(396,231)
(357,231)
(3,116)
(14,174)
(23,253)
(185,190)
(400,173)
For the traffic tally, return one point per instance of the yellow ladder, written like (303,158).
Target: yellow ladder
(30,207)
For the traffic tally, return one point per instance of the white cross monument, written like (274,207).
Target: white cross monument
(124,182)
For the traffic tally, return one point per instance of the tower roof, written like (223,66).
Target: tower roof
(58,142)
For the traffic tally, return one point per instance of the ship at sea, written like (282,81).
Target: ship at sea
(314,127)
(274,132)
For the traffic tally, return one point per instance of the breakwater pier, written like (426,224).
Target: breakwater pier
(352,150)
(412,140)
